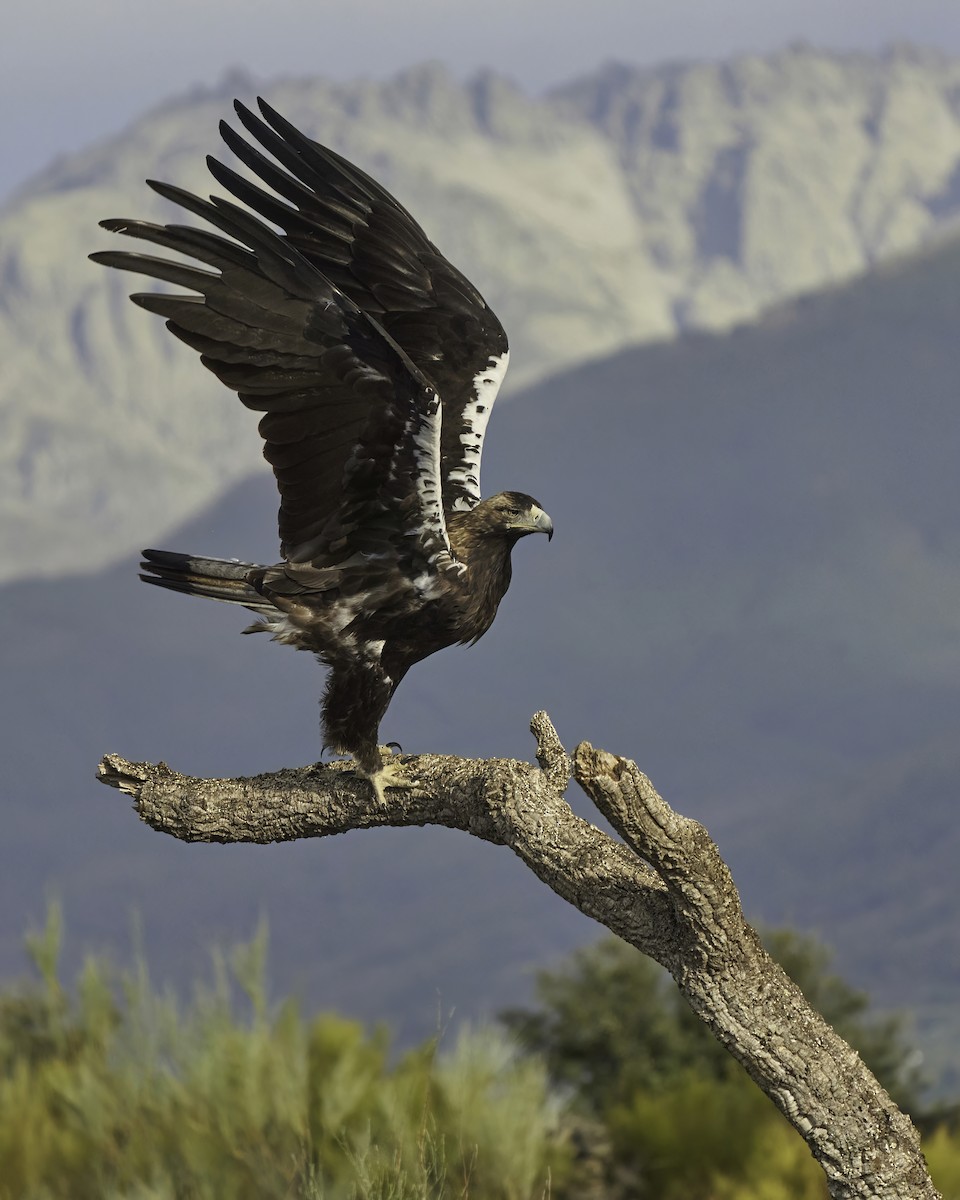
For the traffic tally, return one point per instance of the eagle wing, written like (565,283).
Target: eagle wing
(351,425)
(367,244)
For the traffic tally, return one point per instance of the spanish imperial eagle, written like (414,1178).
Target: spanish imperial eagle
(375,364)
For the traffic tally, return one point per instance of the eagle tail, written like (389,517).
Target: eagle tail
(217,578)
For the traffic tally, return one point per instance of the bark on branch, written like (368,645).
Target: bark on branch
(665,889)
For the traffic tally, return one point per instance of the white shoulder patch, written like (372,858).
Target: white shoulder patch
(424,428)
(476,414)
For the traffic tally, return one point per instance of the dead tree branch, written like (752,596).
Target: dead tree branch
(665,890)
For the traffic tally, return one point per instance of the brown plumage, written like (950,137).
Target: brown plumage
(375,364)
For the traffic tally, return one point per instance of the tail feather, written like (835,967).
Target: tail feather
(216,578)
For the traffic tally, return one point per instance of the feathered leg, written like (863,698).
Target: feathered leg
(354,702)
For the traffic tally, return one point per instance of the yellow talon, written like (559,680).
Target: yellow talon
(390,775)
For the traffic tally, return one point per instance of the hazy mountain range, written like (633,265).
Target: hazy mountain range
(624,207)
(754,590)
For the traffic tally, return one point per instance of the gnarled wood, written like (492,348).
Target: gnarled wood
(665,889)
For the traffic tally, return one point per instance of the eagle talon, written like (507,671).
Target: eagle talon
(330,755)
(389,776)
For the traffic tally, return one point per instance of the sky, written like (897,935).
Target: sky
(71,73)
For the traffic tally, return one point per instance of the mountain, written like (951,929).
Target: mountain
(761,177)
(754,591)
(625,207)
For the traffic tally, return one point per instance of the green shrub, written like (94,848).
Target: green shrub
(700,1138)
(113,1090)
(942,1150)
(673,1114)
(610,1023)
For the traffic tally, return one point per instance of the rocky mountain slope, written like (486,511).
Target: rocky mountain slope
(622,208)
(754,590)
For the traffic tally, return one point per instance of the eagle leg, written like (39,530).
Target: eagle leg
(355,699)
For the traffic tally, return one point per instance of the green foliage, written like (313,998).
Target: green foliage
(701,1138)
(610,1022)
(677,1115)
(113,1090)
(942,1150)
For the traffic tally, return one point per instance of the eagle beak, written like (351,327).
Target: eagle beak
(541,522)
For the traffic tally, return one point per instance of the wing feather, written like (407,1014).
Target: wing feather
(361,238)
(344,407)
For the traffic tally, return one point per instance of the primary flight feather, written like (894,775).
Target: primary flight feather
(375,364)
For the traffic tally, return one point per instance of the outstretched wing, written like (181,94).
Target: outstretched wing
(351,425)
(371,248)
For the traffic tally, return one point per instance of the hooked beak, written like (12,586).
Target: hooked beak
(541,523)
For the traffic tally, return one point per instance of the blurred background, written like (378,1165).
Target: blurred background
(723,239)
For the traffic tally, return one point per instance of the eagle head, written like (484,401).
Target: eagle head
(514,515)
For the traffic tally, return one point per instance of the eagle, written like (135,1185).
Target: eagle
(375,364)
